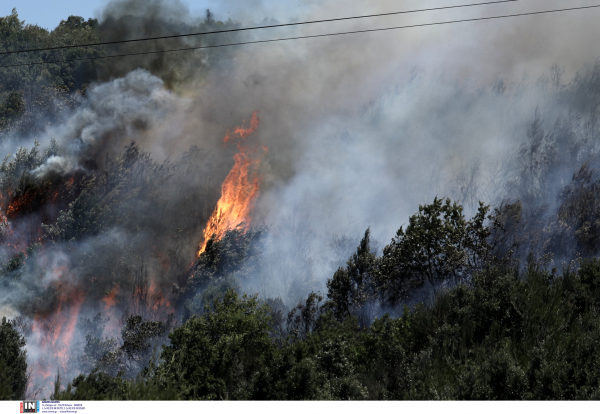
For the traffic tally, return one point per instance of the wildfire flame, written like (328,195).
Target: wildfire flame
(54,334)
(110,301)
(240,189)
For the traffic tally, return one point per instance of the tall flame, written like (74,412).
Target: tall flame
(54,334)
(240,188)
(110,311)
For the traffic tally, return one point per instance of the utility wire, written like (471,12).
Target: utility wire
(257,27)
(309,37)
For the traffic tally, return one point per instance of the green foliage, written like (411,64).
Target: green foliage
(101,386)
(14,263)
(95,386)
(11,107)
(220,354)
(496,376)
(323,365)
(353,290)
(506,335)
(139,341)
(388,356)
(110,199)
(17,169)
(215,290)
(16,35)
(140,337)
(438,245)
(13,362)
(30,96)
(302,319)
(6,388)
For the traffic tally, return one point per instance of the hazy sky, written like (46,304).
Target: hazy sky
(48,14)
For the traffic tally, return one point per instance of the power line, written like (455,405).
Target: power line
(308,37)
(256,27)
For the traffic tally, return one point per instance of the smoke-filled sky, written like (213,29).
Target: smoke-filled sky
(49,14)
(361,128)
(550,33)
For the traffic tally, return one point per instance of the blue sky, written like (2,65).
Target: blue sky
(48,14)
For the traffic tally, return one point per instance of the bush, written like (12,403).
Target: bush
(13,362)
(220,354)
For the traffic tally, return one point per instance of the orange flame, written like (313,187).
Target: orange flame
(240,188)
(242,132)
(18,204)
(55,334)
(71,321)
(157,299)
(109,299)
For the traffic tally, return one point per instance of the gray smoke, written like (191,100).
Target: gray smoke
(361,129)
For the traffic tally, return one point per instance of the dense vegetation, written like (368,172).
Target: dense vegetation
(505,335)
(13,362)
(452,308)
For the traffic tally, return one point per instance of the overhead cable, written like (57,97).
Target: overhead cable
(308,36)
(253,28)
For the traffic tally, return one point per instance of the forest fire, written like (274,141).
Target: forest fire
(151,247)
(24,210)
(18,204)
(109,300)
(54,334)
(110,310)
(157,301)
(239,190)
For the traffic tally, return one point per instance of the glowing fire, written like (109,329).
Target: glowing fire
(54,334)
(240,188)
(110,302)
(157,299)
